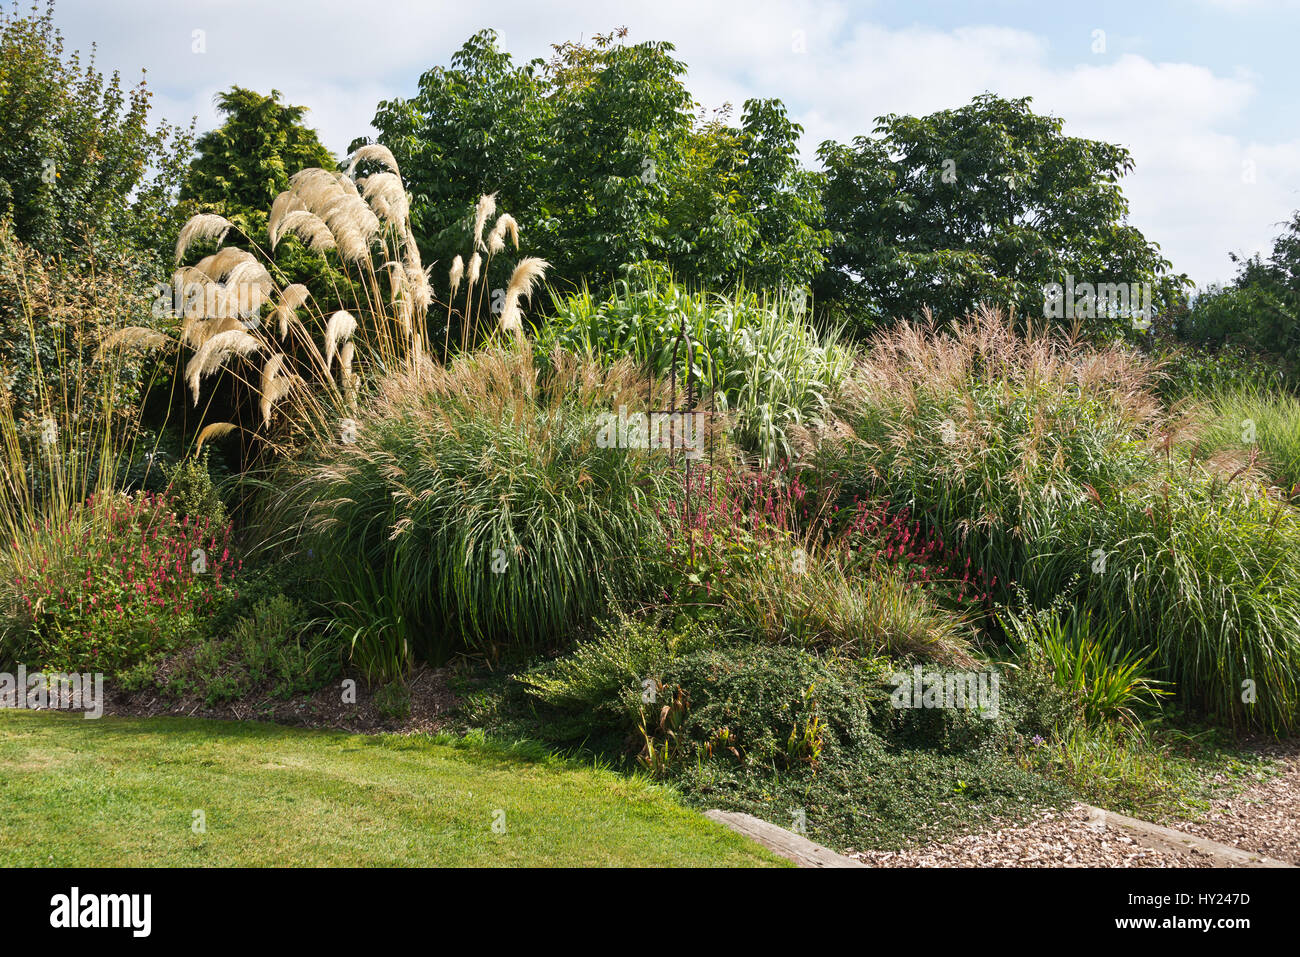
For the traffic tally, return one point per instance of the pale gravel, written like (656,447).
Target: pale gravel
(1264,818)
(1064,838)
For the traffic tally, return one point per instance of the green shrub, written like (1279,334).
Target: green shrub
(778,731)
(477,509)
(1257,317)
(192,493)
(608,677)
(113,582)
(273,647)
(759,358)
(1196,372)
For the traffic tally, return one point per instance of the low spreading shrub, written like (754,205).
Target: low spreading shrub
(816,743)
(609,677)
(274,647)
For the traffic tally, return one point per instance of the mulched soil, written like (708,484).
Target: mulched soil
(431,702)
(1264,818)
(1065,838)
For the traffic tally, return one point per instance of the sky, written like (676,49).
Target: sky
(1202,92)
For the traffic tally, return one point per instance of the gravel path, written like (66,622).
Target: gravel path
(1264,818)
(1066,838)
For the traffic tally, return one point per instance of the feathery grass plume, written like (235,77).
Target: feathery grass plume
(196,330)
(505,227)
(189,275)
(347,211)
(340,328)
(417,282)
(250,271)
(347,184)
(314,187)
(215,351)
(293,297)
(212,432)
(475,265)
(487,205)
(345,361)
(223,261)
(385,192)
(375,152)
(349,241)
(456,274)
(200,227)
(396,279)
(134,337)
(523,280)
(276,390)
(283,204)
(270,372)
(308,227)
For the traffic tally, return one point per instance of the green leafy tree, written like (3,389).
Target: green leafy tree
(242,165)
(601,154)
(87,207)
(987,203)
(81,168)
(1260,309)
(246,162)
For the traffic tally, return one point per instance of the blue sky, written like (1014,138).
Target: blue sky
(1203,92)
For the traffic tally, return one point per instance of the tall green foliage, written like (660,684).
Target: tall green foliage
(600,152)
(81,168)
(986,203)
(1260,309)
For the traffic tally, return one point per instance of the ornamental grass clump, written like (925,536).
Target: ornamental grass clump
(757,357)
(476,508)
(1055,468)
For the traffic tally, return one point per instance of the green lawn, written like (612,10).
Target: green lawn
(117,791)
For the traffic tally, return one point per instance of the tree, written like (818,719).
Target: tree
(242,165)
(1260,310)
(246,162)
(601,155)
(987,203)
(80,166)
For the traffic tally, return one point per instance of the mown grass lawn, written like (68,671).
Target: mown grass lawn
(117,791)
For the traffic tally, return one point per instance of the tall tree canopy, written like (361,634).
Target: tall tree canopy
(242,165)
(81,168)
(987,203)
(603,157)
(1260,309)
(246,162)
